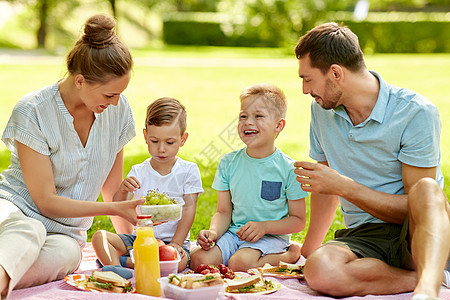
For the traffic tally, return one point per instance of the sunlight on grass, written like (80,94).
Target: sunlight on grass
(208,80)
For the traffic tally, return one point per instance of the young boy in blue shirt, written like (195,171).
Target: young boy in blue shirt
(260,201)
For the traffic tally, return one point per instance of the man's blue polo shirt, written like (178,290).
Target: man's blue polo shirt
(404,127)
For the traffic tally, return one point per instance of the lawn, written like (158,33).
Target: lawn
(208,82)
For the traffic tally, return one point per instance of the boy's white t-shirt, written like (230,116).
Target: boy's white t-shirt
(184,178)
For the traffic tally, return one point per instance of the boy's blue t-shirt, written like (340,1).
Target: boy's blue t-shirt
(260,188)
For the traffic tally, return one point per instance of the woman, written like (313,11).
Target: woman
(66,142)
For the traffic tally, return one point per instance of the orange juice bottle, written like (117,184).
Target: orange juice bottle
(146,257)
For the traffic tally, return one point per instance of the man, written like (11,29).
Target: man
(377,148)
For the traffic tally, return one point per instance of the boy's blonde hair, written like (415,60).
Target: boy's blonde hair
(270,94)
(165,111)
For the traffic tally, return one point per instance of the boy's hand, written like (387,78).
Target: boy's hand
(206,239)
(178,248)
(130,185)
(251,231)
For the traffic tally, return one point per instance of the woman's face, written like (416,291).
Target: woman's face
(98,96)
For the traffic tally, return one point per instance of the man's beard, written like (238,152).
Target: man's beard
(332,95)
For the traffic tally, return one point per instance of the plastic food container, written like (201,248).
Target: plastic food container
(170,212)
(166,267)
(205,293)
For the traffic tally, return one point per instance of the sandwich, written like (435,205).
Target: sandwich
(283,268)
(196,281)
(108,281)
(249,284)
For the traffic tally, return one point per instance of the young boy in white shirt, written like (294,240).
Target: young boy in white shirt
(164,133)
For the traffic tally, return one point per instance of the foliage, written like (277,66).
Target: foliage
(43,16)
(208,80)
(193,33)
(396,37)
(267,23)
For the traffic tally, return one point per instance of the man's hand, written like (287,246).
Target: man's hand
(207,239)
(251,231)
(319,178)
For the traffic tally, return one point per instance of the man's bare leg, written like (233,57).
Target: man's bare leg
(430,231)
(338,272)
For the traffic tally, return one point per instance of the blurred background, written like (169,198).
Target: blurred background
(204,52)
(384,26)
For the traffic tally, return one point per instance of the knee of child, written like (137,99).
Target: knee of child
(183,264)
(97,237)
(239,263)
(195,258)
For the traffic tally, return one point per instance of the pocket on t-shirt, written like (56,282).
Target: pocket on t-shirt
(270,190)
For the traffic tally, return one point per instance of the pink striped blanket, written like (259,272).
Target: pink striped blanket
(291,289)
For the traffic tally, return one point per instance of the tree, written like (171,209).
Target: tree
(47,13)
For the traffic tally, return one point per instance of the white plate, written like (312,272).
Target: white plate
(78,281)
(276,287)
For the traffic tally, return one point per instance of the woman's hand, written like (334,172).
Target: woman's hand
(127,209)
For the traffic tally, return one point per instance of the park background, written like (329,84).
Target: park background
(204,52)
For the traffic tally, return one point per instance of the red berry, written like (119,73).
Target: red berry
(200,268)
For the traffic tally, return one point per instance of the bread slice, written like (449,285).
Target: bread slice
(268,268)
(289,266)
(112,289)
(239,283)
(110,277)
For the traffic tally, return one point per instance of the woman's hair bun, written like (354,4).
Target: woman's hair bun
(99,31)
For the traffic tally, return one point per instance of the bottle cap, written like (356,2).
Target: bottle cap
(144,217)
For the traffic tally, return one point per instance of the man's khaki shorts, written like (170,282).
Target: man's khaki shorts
(385,241)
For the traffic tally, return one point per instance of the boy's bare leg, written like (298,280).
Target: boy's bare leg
(108,248)
(211,257)
(247,258)
(430,231)
(183,262)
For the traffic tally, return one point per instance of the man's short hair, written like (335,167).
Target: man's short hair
(329,44)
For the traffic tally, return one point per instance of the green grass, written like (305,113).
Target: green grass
(208,80)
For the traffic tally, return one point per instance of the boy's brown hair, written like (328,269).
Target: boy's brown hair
(270,94)
(165,111)
(329,44)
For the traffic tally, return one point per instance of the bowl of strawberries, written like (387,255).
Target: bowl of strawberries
(223,270)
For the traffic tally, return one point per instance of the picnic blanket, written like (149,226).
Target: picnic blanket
(291,289)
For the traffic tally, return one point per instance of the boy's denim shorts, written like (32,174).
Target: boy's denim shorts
(384,241)
(229,243)
(128,240)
